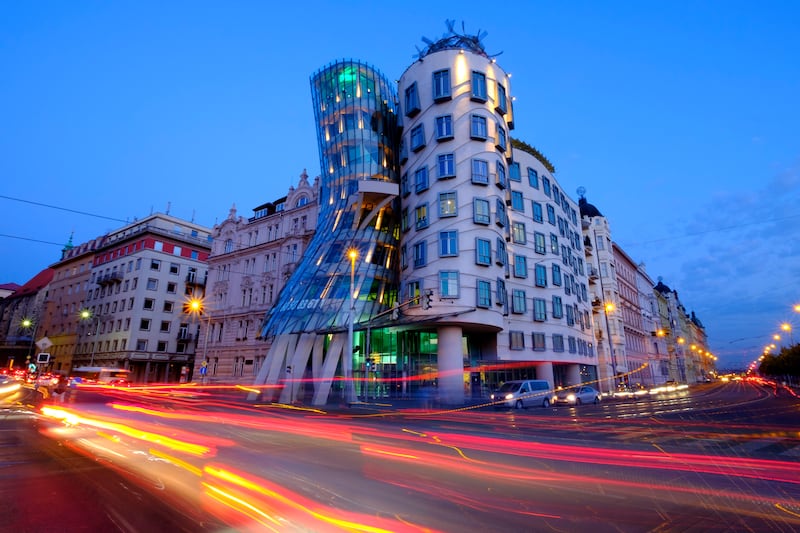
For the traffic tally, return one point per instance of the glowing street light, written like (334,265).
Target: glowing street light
(788,327)
(86,314)
(196,307)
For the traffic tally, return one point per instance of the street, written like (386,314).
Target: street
(718,457)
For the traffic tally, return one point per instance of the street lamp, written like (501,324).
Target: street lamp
(86,314)
(788,327)
(196,307)
(31,326)
(347,361)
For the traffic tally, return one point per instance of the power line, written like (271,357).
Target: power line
(31,240)
(62,209)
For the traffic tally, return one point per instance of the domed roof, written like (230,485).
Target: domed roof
(587,209)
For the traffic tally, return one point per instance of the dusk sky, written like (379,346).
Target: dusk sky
(681,120)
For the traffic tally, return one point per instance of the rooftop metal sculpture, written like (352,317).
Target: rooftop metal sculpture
(455,41)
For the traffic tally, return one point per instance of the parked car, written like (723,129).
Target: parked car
(577,395)
(521,394)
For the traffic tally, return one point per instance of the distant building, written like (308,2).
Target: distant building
(68,290)
(142,276)
(21,320)
(250,262)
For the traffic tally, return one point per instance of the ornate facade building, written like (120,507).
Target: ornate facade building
(250,263)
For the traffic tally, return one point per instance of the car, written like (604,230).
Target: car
(637,390)
(576,395)
(521,394)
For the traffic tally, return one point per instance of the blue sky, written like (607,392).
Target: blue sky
(681,120)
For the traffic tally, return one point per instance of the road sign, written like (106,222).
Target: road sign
(43,358)
(203,370)
(44,344)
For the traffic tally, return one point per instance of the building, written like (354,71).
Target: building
(21,321)
(608,322)
(133,312)
(491,282)
(251,259)
(67,290)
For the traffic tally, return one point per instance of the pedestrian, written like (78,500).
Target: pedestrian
(60,389)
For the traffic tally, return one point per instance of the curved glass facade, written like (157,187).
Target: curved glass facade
(358,136)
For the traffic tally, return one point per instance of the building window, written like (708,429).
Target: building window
(516,340)
(417,138)
(421,179)
(520,266)
(141,345)
(556,275)
(539,310)
(478,86)
(478,129)
(558,343)
(447,166)
(501,175)
(403,256)
(152,284)
(501,141)
(538,243)
(149,304)
(546,186)
(174,268)
(155,264)
(420,254)
(165,326)
(412,293)
(480,171)
(558,308)
(554,243)
(533,178)
(172,287)
(518,232)
(570,315)
(448,284)
(441,85)
(500,252)
(513,172)
(538,342)
(517,202)
(537,212)
(412,100)
(444,127)
(447,204)
(518,301)
(228,246)
(405,189)
(448,243)
(480,211)
(500,104)
(484,294)
(144,324)
(500,215)
(421,216)
(161,346)
(404,225)
(168,307)
(483,252)
(541,276)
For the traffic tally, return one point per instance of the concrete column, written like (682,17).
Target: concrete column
(545,371)
(451,366)
(574,374)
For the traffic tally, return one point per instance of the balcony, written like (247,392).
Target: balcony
(108,279)
(185,336)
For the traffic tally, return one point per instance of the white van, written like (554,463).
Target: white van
(521,394)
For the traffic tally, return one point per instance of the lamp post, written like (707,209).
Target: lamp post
(86,314)
(196,307)
(347,360)
(30,325)
(788,327)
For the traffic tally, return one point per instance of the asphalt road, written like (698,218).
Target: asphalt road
(720,457)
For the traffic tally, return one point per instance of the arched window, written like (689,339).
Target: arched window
(302,201)
(228,246)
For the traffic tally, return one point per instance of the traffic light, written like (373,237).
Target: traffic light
(427,300)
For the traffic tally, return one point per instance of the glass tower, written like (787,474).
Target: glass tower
(358,136)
